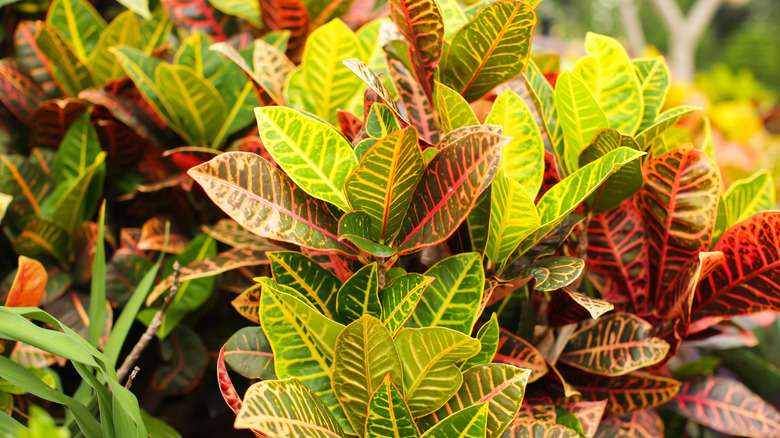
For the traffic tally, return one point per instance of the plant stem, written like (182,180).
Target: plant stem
(129,382)
(154,326)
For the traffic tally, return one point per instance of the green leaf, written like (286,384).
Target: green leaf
(247,9)
(316,156)
(453,109)
(523,157)
(184,362)
(43,237)
(614,84)
(400,298)
(79,23)
(155,30)
(479,221)
(454,18)
(359,295)
(79,149)
(543,96)
(648,138)
(467,423)
(623,184)
(383,182)
(453,299)
(380,121)
(286,407)
(565,196)
(123,30)
(364,355)
(248,353)
(488,336)
(448,189)
(747,197)
(317,284)
(72,74)
(75,200)
(513,217)
(500,386)
(330,83)
(553,273)
(194,101)
(580,117)
(653,77)
(490,49)
(428,356)
(356,227)
(303,342)
(388,414)
(266,202)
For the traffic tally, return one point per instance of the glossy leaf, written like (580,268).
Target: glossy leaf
(428,356)
(453,109)
(620,186)
(543,97)
(488,337)
(248,353)
(538,429)
(678,202)
(276,407)
(76,200)
(435,213)
(653,77)
(303,341)
(383,182)
(317,284)
(358,296)
(490,49)
(400,298)
(356,227)
(615,345)
(380,121)
(593,306)
(419,108)
(453,299)
(388,413)
(364,355)
(123,30)
(727,406)
(641,424)
(266,202)
(625,394)
(523,157)
(29,285)
(68,69)
(663,122)
(79,23)
(553,273)
(614,84)
(373,81)
(422,24)
(501,386)
(580,117)
(468,423)
(745,282)
(617,247)
(312,153)
(516,351)
(749,196)
(513,217)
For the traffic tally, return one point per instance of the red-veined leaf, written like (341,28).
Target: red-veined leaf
(43,237)
(615,345)
(52,119)
(29,284)
(624,394)
(514,350)
(265,201)
(571,307)
(748,280)
(421,23)
(248,353)
(186,359)
(727,406)
(226,388)
(418,106)
(19,93)
(538,429)
(33,60)
(448,189)
(197,16)
(641,424)
(376,85)
(153,237)
(617,247)
(679,203)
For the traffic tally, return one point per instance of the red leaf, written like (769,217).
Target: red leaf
(749,280)
(350,125)
(287,15)
(678,202)
(617,247)
(226,388)
(727,406)
(52,120)
(18,92)
(514,350)
(197,16)
(551,175)
(29,284)
(641,424)
(421,23)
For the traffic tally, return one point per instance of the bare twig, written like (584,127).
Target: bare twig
(154,326)
(129,382)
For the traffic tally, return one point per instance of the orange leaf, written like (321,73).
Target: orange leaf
(29,284)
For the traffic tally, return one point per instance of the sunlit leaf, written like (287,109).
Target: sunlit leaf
(358,296)
(388,414)
(623,184)
(467,423)
(749,196)
(400,298)
(79,23)
(653,77)
(513,217)
(317,284)
(453,109)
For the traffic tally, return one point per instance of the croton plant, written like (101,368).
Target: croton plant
(464,239)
